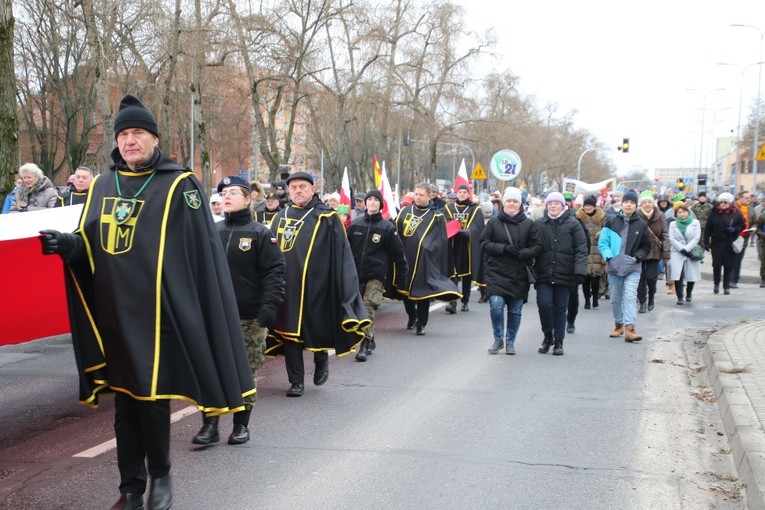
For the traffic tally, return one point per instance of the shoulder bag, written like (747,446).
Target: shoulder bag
(530,271)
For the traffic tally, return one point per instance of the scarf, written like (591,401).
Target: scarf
(683,224)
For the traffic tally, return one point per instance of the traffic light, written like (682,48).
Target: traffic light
(625,146)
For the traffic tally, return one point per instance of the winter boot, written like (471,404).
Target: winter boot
(570,327)
(484,298)
(671,288)
(209,431)
(509,349)
(371,346)
(688,290)
(496,346)
(240,434)
(451,307)
(546,344)
(650,302)
(630,335)
(558,348)
(363,350)
(618,330)
(679,293)
(595,300)
(587,303)
(642,308)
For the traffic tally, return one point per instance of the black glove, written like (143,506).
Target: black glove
(58,243)
(512,249)
(579,279)
(266,316)
(685,252)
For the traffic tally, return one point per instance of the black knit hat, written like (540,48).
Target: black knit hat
(133,114)
(590,200)
(463,186)
(374,193)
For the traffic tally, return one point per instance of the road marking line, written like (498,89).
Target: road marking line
(112,443)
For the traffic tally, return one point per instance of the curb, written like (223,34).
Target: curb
(741,424)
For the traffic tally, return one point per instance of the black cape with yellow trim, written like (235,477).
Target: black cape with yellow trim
(151,302)
(323,307)
(465,245)
(423,232)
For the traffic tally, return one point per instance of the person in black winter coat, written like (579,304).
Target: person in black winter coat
(510,241)
(560,267)
(724,225)
(375,244)
(256,265)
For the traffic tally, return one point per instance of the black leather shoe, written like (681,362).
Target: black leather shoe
(239,435)
(451,307)
(371,345)
(420,329)
(161,493)
(726,292)
(208,433)
(129,501)
(716,289)
(570,328)
(650,304)
(321,374)
(411,322)
(642,308)
(296,390)
(465,307)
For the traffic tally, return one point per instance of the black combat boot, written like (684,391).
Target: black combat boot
(546,344)
(363,350)
(240,434)
(558,349)
(451,307)
(161,493)
(209,431)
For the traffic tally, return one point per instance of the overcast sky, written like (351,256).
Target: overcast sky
(624,67)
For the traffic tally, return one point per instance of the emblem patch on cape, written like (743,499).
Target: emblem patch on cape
(245,243)
(411,222)
(117,223)
(287,231)
(192,198)
(123,210)
(376,238)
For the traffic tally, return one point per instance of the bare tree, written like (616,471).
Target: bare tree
(9,121)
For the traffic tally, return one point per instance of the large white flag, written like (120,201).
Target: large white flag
(345,190)
(389,209)
(576,187)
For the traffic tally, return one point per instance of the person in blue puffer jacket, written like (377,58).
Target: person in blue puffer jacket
(624,242)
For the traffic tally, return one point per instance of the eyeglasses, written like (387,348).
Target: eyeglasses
(230,193)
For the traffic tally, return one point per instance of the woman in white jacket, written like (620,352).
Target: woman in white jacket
(684,235)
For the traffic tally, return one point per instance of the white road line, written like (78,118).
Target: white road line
(112,443)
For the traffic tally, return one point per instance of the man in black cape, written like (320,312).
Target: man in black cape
(323,308)
(422,229)
(151,303)
(465,245)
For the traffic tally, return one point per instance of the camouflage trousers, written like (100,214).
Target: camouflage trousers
(255,342)
(372,293)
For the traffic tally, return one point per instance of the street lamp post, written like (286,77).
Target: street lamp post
(755,143)
(703,112)
(714,126)
(579,164)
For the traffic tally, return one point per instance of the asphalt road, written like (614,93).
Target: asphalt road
(428,422)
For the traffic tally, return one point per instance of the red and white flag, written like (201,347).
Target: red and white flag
(462,177)
(389,209)
(345,190)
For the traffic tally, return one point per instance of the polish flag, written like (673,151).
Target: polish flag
(389,209)
(34,297)
(462,177)
(345,190)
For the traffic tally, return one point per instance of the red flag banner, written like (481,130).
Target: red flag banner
(452,227)
(33,301)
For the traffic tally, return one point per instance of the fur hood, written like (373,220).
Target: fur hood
(597,216)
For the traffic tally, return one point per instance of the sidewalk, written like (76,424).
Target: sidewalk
(735,360)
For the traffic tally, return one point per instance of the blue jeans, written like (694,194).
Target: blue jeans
(624,297)
(496,311)
(552,301)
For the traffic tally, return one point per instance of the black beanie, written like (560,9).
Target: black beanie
(133,114)
(374,193)
(590,200)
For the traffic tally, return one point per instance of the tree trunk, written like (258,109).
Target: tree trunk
(9,120)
